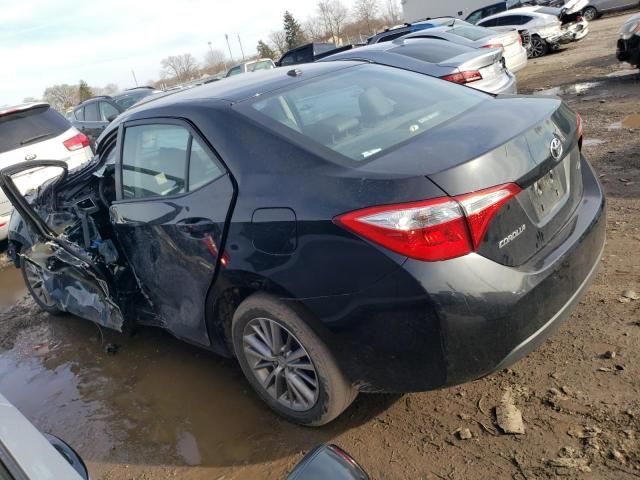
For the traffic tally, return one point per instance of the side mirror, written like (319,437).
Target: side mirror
(111,118)
(328,462)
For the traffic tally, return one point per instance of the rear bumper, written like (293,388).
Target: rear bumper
(431,325)
(629,50)
(505,84)
(518,61)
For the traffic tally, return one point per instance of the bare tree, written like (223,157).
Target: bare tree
(314,29)
(180,67)
(334,16)
(61,96)
(366,11)
(278,40)
(215,60)
(392,12)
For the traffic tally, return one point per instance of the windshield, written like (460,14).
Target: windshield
(365,111)
(129,99)
(30,126)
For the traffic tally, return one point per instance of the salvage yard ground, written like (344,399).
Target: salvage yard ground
(150,407)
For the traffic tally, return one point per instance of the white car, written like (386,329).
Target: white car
(35,131)
(545,30)
(26,454)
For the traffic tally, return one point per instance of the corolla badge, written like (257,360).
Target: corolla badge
(30,156)
(556,148)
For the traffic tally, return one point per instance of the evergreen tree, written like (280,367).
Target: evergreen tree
(293,31)
(84,91)
(265,51)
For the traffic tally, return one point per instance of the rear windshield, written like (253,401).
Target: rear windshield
(432,52)
(30,126)
(471,33)
(364,111)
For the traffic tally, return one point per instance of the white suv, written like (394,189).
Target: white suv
(36,131)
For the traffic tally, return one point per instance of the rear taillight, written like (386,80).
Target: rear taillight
(431,230)
(493,45)
(520,39)
(463,77)
(76,142)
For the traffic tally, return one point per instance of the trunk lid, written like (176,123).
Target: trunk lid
(474,60)
(507,141)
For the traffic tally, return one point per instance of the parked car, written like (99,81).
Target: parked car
(544,30)
(482,69)
(26,454)
(93,115)
(597,8)
(629,42)
(338,227)
(36,131)
(252,66)
(500,7)
(463,33)
(306,53)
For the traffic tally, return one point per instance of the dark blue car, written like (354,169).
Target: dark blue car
(340,227)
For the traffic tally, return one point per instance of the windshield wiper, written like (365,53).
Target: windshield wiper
(37,137)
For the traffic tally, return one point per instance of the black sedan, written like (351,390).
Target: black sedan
(341,227)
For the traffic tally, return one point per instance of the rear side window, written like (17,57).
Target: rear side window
(23,128)
(164,160)
(364,111)
(235,71)
(490,23)
(79,114)
(91,112)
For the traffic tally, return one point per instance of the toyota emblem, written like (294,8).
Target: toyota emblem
(556,148)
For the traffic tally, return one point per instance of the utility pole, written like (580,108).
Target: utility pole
(134,77)
(241,50)
(228,46)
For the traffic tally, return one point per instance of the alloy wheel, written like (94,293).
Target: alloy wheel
(36,284)
(537,48)
(281,364)
(589,14)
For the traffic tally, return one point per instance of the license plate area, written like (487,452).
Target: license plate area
(550,191)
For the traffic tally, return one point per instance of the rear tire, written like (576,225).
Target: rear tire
(32,275)
(286,363)
(590,14)
(538,48)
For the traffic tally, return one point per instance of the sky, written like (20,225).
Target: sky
(47,42)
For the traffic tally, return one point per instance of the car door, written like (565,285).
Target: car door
(92,126)
(173,199)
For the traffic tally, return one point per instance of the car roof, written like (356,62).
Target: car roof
(22,107)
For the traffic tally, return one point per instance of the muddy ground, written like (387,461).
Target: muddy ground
(162,409)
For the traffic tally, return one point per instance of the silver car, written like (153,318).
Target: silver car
(26,454)
(479,68)
(598,7)
(463,33)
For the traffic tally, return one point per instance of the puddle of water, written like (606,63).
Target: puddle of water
(631,121)
(623,73)
(591,142)
(575,89)
(12,287)
(157,402)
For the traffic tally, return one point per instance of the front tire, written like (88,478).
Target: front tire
(590,14)
(32,275)
(287,364)
(538,47)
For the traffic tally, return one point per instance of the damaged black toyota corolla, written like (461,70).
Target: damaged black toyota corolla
(338,228)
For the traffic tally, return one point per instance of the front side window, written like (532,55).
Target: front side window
(363,111)
(164,160)
(79,114)
(108,112)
